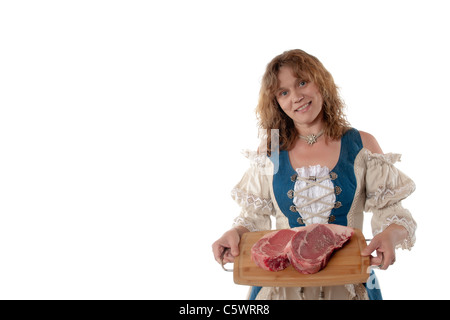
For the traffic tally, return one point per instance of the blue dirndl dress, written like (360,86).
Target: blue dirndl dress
(344,181)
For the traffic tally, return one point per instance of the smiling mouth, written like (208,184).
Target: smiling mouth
(303,107)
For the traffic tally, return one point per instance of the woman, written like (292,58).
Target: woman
(298,97)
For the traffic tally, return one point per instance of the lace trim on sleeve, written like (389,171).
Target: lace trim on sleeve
(409,225)
(385,195)
(257,159)
(239,221)
(250,201)
(390,158)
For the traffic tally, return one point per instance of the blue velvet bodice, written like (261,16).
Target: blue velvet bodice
(342,176)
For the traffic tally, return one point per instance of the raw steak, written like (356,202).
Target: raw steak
(269,252)
(311,247)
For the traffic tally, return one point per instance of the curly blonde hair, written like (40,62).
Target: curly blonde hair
(309,68)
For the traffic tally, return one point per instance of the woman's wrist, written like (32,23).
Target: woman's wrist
(241,230)
(398,233)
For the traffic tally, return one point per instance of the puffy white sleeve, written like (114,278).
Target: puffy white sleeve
(252,194)
(386,187)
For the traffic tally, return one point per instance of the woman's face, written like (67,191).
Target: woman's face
(299,99)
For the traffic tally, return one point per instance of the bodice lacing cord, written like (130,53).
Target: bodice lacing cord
(310,182)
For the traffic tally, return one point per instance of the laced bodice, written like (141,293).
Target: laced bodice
(314,196)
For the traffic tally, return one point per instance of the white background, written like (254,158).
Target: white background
(122,123)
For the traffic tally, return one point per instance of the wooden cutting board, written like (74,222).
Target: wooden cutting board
(346,266)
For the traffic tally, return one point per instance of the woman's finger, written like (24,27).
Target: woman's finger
(376,261)
(371,247)
(389,259)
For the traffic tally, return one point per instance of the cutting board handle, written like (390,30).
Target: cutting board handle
(221,260)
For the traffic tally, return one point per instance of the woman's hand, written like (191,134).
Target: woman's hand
(229,240)
(384,244)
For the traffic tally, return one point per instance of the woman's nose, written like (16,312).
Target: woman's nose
(297,98)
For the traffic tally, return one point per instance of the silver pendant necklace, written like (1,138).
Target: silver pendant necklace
(311,138)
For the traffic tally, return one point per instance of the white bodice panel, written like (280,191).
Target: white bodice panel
(314,194)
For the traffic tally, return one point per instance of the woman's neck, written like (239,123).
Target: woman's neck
(308,129)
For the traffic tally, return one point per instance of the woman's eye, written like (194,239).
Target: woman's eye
(302,83)
(283,93)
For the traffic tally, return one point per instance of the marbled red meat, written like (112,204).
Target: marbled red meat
(308,248)
(269,252)
(312,246)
